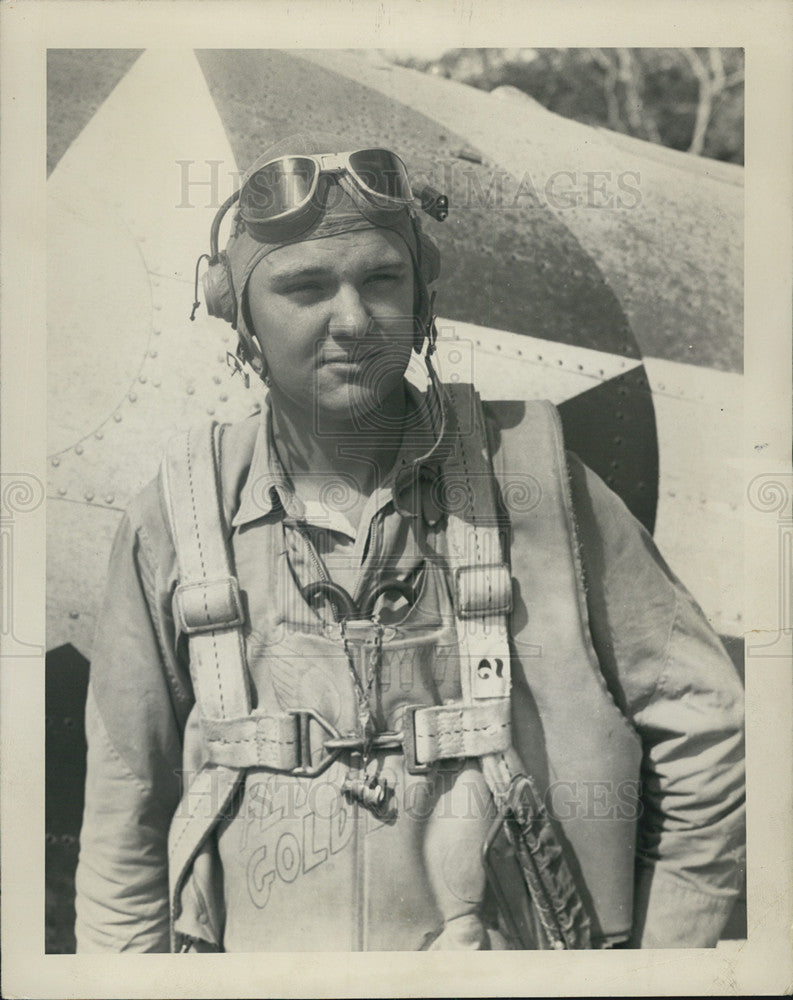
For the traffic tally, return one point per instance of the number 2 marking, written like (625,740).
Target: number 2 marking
(486,668)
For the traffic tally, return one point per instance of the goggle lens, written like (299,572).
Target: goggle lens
(278,188)
(383,172)
(286,185)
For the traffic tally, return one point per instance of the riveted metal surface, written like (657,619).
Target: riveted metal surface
(126,367)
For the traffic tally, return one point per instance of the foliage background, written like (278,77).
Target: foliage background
(687,99)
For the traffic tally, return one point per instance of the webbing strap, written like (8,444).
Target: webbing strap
(209,611)
(482,580)
(207,799)
(208,607)
(446,731)
(439,732)
(254,741)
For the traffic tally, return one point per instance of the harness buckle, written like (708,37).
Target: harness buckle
(305,768)
(209,605)
(409,741)
(334,746)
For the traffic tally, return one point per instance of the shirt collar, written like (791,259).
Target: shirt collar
(267,490)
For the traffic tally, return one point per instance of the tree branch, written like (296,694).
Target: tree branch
(641,121)
(610,89)
(704,103)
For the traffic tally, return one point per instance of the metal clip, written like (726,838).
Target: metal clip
(366,788)
(234,364)
(305,768)
(334,746)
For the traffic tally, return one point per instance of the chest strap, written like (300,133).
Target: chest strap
(281,741)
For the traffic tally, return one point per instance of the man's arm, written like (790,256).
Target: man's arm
(137,703)
(669,673)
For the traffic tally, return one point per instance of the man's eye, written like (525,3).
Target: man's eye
(385,276)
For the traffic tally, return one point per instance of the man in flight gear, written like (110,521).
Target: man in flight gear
(383,669)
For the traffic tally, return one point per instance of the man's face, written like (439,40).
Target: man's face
(334,318)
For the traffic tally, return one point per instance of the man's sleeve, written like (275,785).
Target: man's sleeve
(669,673)
(135,712)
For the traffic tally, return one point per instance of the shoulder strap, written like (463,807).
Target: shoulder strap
(482,582)
(483,601)
(209,612)
(207,601)
(480,724)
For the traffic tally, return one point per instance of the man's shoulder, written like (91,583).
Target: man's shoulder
(526,439)
(235,442)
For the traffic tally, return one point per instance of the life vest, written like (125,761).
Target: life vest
(301,829)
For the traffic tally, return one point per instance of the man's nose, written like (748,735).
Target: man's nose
(350,314)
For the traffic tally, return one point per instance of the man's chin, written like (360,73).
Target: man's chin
(364,408)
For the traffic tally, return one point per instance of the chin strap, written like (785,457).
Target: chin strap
(438,401)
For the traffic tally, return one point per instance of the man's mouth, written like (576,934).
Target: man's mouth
(353,358)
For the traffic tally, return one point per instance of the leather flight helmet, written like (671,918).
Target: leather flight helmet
(226,278)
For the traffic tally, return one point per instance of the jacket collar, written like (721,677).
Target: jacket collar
(268,490)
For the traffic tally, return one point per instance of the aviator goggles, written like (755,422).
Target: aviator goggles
(288,187)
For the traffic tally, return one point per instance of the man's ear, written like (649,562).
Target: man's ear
(249,340)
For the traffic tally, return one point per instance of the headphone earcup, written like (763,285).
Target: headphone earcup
(219,295)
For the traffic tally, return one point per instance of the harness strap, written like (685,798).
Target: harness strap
(254,740)
(280,741)
(483,585)
(208,609)
(482,603)
(446,731)
(208,797)
(207,601)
